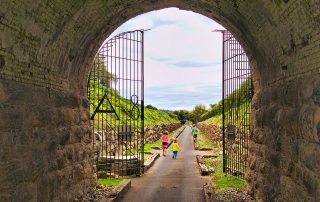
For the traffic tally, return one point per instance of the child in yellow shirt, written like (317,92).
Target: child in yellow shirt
(175,148)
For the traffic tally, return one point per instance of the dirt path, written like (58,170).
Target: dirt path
(176,180)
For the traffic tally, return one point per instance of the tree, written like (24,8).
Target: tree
(196,113)
(100,72)
(183,115)
(212,105)
(151,107)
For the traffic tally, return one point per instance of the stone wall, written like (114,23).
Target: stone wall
(45,152)
(284,147)
(154,132)
(212,131)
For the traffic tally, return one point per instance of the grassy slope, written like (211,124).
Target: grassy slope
(217,119)
(123,106)
(234,101)
(152,117)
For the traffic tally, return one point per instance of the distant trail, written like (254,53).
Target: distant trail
(176,180)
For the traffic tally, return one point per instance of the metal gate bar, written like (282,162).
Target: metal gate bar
(236,111)
(115,91)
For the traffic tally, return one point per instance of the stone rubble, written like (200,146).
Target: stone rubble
(212,131)
(99,193)
(154,132)
(233,195)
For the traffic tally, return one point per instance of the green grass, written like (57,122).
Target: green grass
(225,182)
(205,142)
(238,102)
(217,119)
(221,182)
(152,117)
(110,182)
(123,107)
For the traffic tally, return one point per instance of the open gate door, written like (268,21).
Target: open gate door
(116,94)
(237,94)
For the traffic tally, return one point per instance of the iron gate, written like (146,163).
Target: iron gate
(115,91)
(237,95)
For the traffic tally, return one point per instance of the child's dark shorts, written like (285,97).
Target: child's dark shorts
(164,144)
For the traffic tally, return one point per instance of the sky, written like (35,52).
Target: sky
(183,58)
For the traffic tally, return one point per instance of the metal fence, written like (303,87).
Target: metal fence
(115,91)
(237,95)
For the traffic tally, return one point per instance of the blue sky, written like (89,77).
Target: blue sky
(182,58)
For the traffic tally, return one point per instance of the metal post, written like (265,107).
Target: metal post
(223,104)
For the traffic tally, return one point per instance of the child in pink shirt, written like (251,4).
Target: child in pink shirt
(165,142)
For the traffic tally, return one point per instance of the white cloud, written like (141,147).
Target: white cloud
(182,58)
(182,96)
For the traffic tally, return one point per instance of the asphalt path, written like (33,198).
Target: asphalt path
(176,180)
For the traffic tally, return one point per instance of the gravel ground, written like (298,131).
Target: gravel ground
(234,195)
(97,194)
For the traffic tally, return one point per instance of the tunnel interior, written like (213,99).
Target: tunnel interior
(47,49)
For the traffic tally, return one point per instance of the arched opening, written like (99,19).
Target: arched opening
(116,85)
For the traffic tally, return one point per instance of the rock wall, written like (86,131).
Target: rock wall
(154,132)
(45,144)
(212,131)
(284,148)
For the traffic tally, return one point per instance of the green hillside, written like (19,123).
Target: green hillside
(238,99)
(125,107)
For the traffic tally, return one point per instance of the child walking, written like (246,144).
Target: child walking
(175,148)
(165,142)
(195,133)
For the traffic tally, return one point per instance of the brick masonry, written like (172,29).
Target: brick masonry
(47,47)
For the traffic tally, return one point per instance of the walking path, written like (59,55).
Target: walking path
(176,180)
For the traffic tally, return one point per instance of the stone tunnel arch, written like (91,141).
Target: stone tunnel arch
(46,51)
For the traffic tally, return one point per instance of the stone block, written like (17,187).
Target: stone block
(308,155)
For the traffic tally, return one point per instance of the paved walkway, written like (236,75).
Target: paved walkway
(176,180)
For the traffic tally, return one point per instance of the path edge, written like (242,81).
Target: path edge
(122,189)
(177,135)
(149,163)
(209,193)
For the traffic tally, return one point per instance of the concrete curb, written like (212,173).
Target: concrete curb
(203,168)
(177,135)
(122,189)
(148,163)
(205,149)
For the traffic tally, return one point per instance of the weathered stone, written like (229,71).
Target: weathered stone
(25,192)
(212,131)
(308,156)
(154,132)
